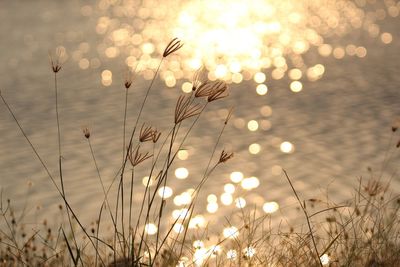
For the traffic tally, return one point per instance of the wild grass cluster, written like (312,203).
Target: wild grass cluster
(363,231)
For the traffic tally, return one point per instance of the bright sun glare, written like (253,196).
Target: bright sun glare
(236,40)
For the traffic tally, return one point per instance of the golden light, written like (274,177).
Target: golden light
(254,148)
(325,50)
(270,207)
(184,154)
(386,38)
(339,52)
(249,251)
(259,77)
(186,88)
(186,197)
(112,52)
(106,77)
(236,177)
(211,198)
(212,207)
(181,173)
(314,73)
(84,63)
(200,255)
(237,77)
(183,199)
(147,181)
(183,262)
(178,201)
(178,228)
(231,37)
(287,147)
(351,49)
(252,125)
(266,111)
(231,254)
(295,74)
(256,41)
(198,244)
(226,199)
(231,232)
(165,192)
(325,259)
(197,221)
(296,86)
(214,250)
(250,183)
(240,202)
(180,214)
(151,229)
(261,89)
(229,188)
(361,51)
(265,125)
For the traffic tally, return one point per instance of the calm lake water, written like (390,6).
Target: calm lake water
(338,125)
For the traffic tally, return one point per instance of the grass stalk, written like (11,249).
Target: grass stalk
(306,216)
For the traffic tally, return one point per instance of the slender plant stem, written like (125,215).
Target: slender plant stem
(307,218)
(139,115)
(131,246)
(160,180)
(124,133)
(97,232)
(137,119)
(57,115)
(60,157)
(105,200)
(205,176)
(165,183)
(122,217)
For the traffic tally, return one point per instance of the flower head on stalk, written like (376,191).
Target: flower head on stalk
(86,132)
(136,158)
(57,60)
(219,90)
(173,46)
(224,157)
(184,109)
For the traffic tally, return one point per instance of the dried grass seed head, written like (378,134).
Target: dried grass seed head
(184,109)
(86,132)
(219,90)
(374,187)
(228,117)
(128,78)
(135,157)
(57,59)
(199,78)
(396,124)
(173,46)
(127,84)
(204,90)
(156,135)
(146,133)
(225,156)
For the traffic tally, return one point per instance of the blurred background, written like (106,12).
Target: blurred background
(315,88)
